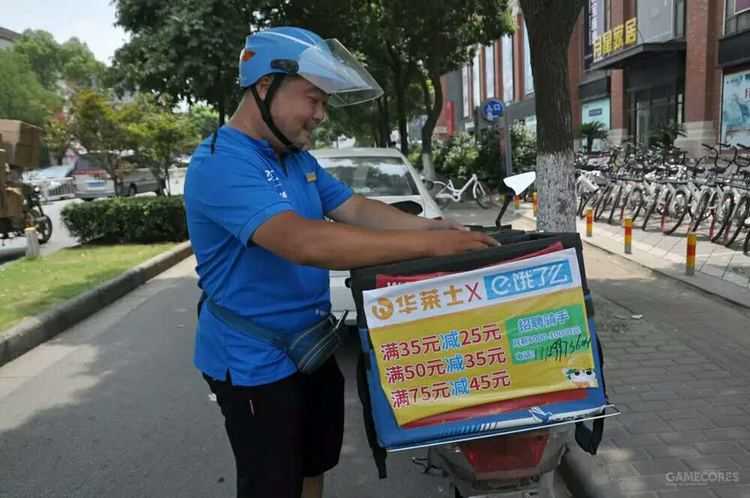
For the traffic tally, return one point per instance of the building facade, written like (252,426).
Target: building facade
(634,65)
(7,37)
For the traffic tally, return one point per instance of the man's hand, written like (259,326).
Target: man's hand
(446,224)
(449,242)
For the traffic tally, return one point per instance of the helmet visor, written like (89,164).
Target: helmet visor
(332,68)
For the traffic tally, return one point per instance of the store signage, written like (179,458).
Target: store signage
(616,39)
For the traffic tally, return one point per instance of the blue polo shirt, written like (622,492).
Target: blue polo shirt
(228,195)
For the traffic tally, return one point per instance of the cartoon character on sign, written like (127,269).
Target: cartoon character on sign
(581,377)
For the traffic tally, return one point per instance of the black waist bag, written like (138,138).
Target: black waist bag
(308,349)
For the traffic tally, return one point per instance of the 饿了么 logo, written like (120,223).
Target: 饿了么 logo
(527,280)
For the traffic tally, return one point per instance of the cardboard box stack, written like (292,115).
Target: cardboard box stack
(22,143)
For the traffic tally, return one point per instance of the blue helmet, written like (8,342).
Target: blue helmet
(327,64)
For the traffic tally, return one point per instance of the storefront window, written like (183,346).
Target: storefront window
(507,47)
(652,108)
(528,81)
(679,19)
(737,16)
(489,71)
(595,25)
(596,110)
(656,20)
(735,108)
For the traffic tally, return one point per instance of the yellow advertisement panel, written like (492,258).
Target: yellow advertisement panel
(520,329)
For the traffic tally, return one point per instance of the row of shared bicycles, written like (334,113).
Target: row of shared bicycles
(660,188)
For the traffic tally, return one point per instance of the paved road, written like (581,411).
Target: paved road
(114,408)
(61,238)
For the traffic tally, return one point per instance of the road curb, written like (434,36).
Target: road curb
(33,331)
(7,255)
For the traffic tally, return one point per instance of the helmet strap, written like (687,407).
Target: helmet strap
(265,110)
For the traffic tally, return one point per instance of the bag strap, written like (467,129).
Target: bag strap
(589,439)
(378,453)
(243,324)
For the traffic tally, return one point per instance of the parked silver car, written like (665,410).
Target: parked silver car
(382,174)
(93,182)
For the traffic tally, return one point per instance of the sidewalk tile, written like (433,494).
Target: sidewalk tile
(718,462)
(659,466)
(741,434)
(622,454)
(720,448)
(630,485)
(688,492)
(691,423)
(675,450)
(619,470)
(734,492)
(683,437)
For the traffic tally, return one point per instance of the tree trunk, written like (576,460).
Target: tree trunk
(222,108)
(550,24)
(385,123)
(403,133)
(433,105)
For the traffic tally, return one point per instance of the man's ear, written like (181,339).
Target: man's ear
(262,86)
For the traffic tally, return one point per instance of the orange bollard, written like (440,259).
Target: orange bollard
(692,242)
(516,202)
(628,223)
(535,202)
(589,222)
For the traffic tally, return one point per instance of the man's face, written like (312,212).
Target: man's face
(297,109)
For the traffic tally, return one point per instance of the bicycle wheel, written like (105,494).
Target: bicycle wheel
(675,212)
(649,212)
(661,197)
(635,203)
(724,214)
(737,220)
(604,203)
(701,208)
(481,195)
(617,195)
(588,200)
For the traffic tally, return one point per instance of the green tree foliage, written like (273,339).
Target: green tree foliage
(457,157)
(204,119)
(22,96)
(595,130)
(72,62)
(184,49)
(43,53)
(523,144)
(161,137)
(58,136)
(103,128)
(80,68)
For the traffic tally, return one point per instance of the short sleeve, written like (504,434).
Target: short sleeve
(333,192)
(237,195)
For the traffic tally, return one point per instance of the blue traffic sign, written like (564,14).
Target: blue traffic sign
(492,110)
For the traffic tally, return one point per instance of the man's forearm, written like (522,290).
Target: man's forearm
(377,215)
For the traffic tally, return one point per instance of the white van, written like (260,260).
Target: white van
(93,182)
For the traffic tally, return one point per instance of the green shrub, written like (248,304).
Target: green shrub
(127,220)
(523,142)
(456,158)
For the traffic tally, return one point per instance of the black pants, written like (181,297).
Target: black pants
(284,431)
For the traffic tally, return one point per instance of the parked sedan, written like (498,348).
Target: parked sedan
(382,174)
